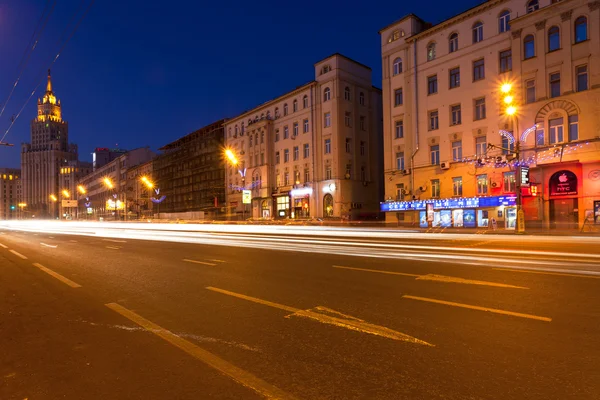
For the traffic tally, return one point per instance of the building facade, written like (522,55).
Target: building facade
(454,154)
(107,187)
(11,205)
(313,152)
(190,174)
(42,159)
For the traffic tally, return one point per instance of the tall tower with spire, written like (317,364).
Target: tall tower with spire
(42,159)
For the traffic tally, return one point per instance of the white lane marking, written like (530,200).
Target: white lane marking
(57,276)
(239,375)
(18,254)
(49,245)
(73,241)
(51,237)
(115,240)
(3,246)
(199,262)
(217,261)
(113,247)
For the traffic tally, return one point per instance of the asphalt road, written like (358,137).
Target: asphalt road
(306,315)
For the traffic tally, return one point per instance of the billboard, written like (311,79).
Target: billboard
(246,197)
(69,203)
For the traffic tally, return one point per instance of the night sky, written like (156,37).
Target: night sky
(144,73)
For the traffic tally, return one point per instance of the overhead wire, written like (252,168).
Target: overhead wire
(31,45)
(66,41)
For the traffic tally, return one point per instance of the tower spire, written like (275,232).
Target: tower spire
(49,86)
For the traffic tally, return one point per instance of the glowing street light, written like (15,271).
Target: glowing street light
(511,110)
(232,158)
(66,193)
(506,87)
(147,182)
(53,198)
(81,189)
(108,183)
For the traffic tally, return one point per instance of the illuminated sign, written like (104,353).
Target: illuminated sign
(429,212)
(301,192)
(69,203)
(114,205)
(524,173)
(563,183)
(447,204)
(90,210)
(246,197)
(329,188)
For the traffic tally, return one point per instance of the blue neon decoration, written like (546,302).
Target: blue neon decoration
(448,204)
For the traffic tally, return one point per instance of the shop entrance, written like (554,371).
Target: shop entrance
(563,214)
(510,217)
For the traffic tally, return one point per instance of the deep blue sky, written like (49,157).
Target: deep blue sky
(144,72)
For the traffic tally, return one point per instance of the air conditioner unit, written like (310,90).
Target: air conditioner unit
(494,184)
(422,188)
(414,197)
(406,171)
(511,156)
(445,165)
(500,159)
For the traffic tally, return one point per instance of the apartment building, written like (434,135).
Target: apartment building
(452,151)
(313,152)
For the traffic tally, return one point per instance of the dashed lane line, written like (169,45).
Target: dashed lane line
(478,308)
(115,240)
(49,245)
(199,262)
(18,254)
(58,276)
(239,375)
(3,246)
(113,247)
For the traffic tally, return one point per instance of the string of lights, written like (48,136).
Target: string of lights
(40,81)
(31,45)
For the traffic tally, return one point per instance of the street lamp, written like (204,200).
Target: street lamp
(242,171)
(510,109)
(22,206)
(80,191)
(109,184)
(53,198)
(149,186)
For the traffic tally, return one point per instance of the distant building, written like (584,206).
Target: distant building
(449,141)
(42,159)
(312,152)
(107,186)
(103,155)
(11,205)
(70,174)
(190,173)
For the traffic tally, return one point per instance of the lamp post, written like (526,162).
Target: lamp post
(21,207)
(510,110)
(54,199)
(149,186)
(234,162)
(81,191)
(109,184)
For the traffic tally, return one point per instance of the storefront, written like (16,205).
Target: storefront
(282,205)
(475,212)
(301,202)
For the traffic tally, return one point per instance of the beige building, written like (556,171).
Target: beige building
(108,187)
(448,141)
(313,152)
(11,205)
(43,158)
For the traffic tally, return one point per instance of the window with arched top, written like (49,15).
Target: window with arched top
(285,109)
(453,42)
(528,47)
(431,51)
(504,21)
(580,29)
(295,106)
(326,94)
(553,38)
(276,112)
(532,6)
(347,93)
(305,101)
(477,32)
(397,66)
(242,128)
(361,99)
(328,205)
